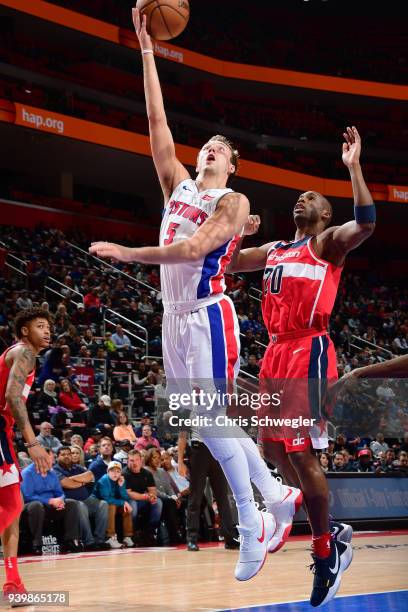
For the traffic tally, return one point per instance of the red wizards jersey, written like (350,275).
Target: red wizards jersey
(6,418)
(299,288)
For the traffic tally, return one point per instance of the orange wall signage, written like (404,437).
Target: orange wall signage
(291,78)
(96,133)
(88,131)
(397,193)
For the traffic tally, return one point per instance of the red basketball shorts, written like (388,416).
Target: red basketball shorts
(296,371)
(10,496)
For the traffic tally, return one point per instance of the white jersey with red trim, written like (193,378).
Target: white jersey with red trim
(299,288)
(189,283)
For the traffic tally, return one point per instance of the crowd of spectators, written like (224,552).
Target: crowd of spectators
(88,430)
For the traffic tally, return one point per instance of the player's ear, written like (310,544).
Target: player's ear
(326,214)
(24,331)
(232,169)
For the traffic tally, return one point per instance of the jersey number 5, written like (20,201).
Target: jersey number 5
(171,232)
(273,279)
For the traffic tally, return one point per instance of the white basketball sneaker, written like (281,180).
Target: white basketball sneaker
(254,546)
(283,513)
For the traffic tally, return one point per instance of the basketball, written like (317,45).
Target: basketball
(166,19)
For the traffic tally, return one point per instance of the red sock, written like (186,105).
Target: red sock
(10,565)
(321,545)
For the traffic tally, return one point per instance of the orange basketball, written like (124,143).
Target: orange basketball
(165,19)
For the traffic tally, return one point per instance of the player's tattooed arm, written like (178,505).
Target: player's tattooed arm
(23,364)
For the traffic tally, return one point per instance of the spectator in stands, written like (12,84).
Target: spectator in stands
(53,366)
(92,454)
(120,339)
(341,443)
(143,494)
(94,438)
(123,429)
(78,455)
(387,464)
(171,502)
(404,445)
(145,305)
(92,301)
(24,301)
(69,399)
(75,481)
(122,455)
(179,483)
(348,461)
(66,437)
(338,462)
(88,338)
(108,343)
(81,317)
(78,440)
(45,500)
(47,398)
(111,488)
(146,439)
(116,408)
(99,415)
(385,392)
(402,464)
(364,462)
(378,444)
(46,438)
(145,420)
(252,367)
(325,462)
(62,320)
(100,464)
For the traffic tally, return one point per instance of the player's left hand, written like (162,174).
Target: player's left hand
(110,250)
(252,225)
(352,147)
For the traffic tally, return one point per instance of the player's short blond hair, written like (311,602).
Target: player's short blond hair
(234,151)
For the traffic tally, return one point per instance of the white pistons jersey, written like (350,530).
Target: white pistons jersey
(191,283)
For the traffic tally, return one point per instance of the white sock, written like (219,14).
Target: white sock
(229,453)
(268,486)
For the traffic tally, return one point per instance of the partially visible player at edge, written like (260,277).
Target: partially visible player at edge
(17,369)
(202,223)
(300,284)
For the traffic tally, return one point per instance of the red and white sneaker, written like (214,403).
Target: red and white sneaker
(283,513)
(253,548)
(13,588)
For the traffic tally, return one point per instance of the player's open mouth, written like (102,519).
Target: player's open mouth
(210,158)
(299,208)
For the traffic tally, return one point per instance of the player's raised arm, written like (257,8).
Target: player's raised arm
(227,221)
(251,259)
(338,241)
(23,364)
(170,171)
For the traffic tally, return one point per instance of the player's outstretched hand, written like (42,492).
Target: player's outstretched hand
(139,22)
(41,459)
(110,250)
(252,225)
(352,147)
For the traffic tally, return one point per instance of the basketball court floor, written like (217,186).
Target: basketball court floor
(174,580)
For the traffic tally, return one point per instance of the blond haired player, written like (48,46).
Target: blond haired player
(202,222)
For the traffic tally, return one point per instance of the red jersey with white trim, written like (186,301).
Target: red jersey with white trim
(6,418)
(192,282)
(299,288)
